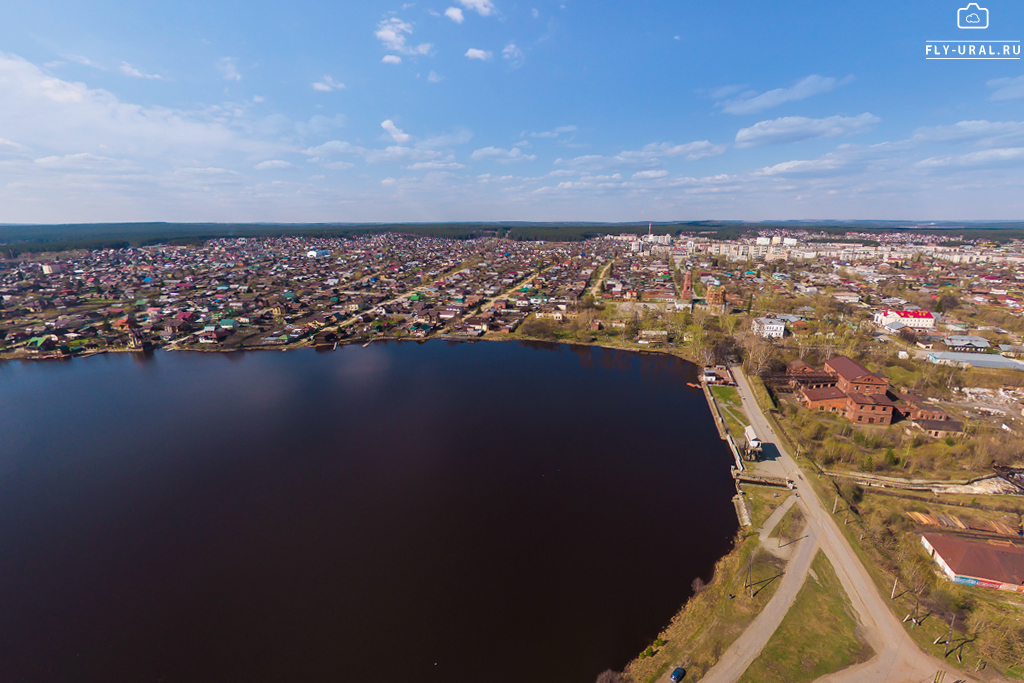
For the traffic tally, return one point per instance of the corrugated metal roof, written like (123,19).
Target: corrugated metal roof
(978,360)
(999,561)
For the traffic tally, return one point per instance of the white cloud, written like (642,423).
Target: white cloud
(985,133)
(482,7)
(400,153)
(1006,88)
(648,155)
(257,98)
(228,66)
(434,77)
(691,150)
(455,14)
(436,166)
(87,162)
(554,133)
(989,158)
(392,33)
(50,113)
(328,84)
(846,159)
(395,132)
(752,104)
(272,164)
(129,70)
(502,156)
(9,143)
(723,91)
(391,59)
(339,165)
(459,136)
(644,175)
(319,124)
(474,53)
(535,13)
(513,54)
(800,128)
(334,148)
(84,61)
(206,171)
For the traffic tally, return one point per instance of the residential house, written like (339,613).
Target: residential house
(769,328)
(966,342)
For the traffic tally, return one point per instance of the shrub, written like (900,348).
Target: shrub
(850,492)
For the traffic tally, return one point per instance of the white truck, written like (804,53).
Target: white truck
(753,444)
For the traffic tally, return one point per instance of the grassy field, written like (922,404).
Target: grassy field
(818,635)
(713,618)
(915,568)
(763,502)
(728,399)
(889,548)
(791,526)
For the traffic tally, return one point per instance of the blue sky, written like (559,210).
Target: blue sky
(505,110)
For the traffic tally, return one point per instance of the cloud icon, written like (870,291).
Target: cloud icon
(972,16)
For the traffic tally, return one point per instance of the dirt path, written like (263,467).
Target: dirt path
(599,278)
(898,658)
(745,649)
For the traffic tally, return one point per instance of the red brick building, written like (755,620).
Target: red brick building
(868,408)
(825,399)
(852,376)
(859,394)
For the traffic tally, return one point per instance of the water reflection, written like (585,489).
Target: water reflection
(290,516)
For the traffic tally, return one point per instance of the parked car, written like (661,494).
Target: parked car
(677,675)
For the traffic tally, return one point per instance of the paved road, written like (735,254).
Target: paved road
(898,659)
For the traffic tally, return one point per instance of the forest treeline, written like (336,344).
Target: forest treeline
(20,239)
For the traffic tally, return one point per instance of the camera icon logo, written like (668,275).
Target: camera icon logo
(972,16)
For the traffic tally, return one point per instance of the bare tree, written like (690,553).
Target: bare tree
(760,356)
(610,676)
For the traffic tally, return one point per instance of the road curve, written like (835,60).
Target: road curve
(745,649)
(898,659)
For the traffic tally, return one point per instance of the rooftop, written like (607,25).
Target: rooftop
(1001,561)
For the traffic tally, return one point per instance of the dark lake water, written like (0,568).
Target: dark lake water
(440,513)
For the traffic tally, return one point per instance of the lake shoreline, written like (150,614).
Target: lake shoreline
(632,349)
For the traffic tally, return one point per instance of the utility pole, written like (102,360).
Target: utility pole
(835,504)
(893,596)
(949,638)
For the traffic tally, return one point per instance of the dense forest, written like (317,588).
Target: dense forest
(19,239)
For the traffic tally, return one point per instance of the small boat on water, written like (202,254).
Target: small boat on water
(366,344)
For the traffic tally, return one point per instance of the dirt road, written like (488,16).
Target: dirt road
(745,649)
(898,659)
